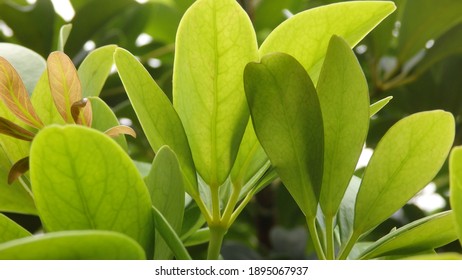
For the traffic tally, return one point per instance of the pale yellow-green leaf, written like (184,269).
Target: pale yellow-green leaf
(215,41)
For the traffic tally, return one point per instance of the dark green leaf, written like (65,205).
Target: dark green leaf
(287,119)
(32,25)
(422,21)
(344,98)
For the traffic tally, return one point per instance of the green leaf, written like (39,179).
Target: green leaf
(83,180)
(15,149)
(406,159)
(104,119)
(287,119)
(159,120)
(437,257)
(215,41)
(73,245)
(29,64)
(163,20)
(42,100)
(64,84)
(450,43)
(344,98)
(95,69)
(14,198)
(10,230)
(346,213)
(201,236)
(455,176)
(377,106)
(306,35)
(422,21)
(170,236)
(15,96)
(64,32)
(422,235)
(166,187)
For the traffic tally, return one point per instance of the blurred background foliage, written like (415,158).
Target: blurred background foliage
(415,55)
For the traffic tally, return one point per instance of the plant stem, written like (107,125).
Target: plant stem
(241,207)
(217,233)
(330,250)
(216,215)
(345,251)
(311,222)
(231,205)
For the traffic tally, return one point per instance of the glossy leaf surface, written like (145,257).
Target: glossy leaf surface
(215,40)
(83,180)
(287,118)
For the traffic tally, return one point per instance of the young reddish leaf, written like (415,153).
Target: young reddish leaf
(120,129)
(14,94)
(82,113)
(64,84)
(11,129)
(19,168)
